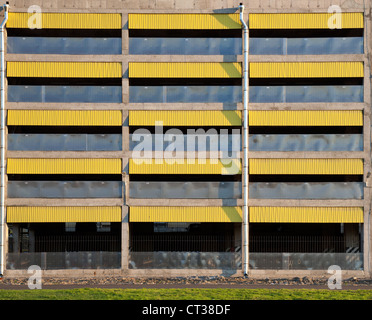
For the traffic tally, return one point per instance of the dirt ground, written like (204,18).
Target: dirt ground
(186,282)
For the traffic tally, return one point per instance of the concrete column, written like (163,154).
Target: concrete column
(243,235)
(367,226)
(124,34)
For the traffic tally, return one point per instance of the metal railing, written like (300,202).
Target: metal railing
(181,242)
(70,243)
(185,260)
(305,261)
(304,244)
(64,260)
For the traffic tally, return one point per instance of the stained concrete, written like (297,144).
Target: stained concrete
(201,6)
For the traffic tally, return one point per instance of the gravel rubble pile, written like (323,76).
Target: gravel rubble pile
(203,280)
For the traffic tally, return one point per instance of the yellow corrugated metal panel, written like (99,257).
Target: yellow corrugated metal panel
(65,20)
(185,214)
(304,20)
(306,166)
(63,166)
(306,69)
(63,214)
(306,118)
(183,21)
(64,118)
(306,214)
(185,118)
(184,166)
(185,70)
(36,69)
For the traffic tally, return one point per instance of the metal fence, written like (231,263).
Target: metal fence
(185,260)
(70,243)
(182,242)
(303,244)
(305,261)
(64,260)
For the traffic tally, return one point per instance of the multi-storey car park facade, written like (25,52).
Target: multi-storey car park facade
(107,104)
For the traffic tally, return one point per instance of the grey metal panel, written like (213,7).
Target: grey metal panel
(186,46)
(24,93)
(185,190)
(345,45)
(306,142)
(324,93)
(266,94)
(307,190)
(54,45)
(266,46)
(97,94)
(186,94)
(311,46)
(64,189)
(104,142)
(64,142)
(212,142)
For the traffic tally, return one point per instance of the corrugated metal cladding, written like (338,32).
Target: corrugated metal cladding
(306,118)
(185,166)
(185,214)
(64,118)
(306,166)
(64,166)
(185,70)
(63,214)
(349,20)
(185,118)
(306,214)
(349,69)
(36,69)
(183,21)
(65,20)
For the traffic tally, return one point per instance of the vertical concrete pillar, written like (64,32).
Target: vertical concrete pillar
(244,235)
(125,51)
(367,227)
(124,34)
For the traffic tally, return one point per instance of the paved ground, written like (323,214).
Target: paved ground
(185,282)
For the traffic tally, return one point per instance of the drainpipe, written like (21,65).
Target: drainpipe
(245,145)
(2,146)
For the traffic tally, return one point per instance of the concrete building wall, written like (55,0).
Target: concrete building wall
(200,6)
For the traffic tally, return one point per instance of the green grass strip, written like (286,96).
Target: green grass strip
(186,294)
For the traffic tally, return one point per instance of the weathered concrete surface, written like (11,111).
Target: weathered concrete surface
(201,6)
